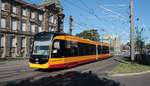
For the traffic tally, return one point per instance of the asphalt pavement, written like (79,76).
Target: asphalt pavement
(134,80)
(98,73)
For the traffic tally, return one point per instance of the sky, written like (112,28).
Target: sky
(107,16)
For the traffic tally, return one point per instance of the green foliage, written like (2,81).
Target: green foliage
(139,43)
(91,34)
(147,46)
(128,44)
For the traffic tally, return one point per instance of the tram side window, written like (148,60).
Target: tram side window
(87,49)
(63,48)
(99,49)
(67,49)
(75,49)
(57,49)
(82,49)
(92,49)
(105,50)
(70,49)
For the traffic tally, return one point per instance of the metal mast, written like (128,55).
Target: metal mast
(132,30)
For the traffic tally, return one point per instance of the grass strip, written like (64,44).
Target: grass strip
(128,67)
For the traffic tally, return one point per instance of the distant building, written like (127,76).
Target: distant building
(114,42)
(21,20)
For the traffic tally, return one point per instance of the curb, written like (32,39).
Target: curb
(130,74)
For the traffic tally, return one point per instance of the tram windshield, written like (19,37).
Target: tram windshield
(41,50)
(42,43)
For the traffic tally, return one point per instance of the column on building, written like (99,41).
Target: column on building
(18,45)
(33,27)
(27,45)
(60,22)
(46,20)
(15,28)
(7,50)
(26,28)
(14,46)
(22,47)
(55,23)
(40,21)
(1,50)
(2,45)
(33,21)
(52,20)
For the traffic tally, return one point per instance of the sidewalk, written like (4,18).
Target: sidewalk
(12,59)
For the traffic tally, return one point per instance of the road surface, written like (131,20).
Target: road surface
(17,73)
(134,80)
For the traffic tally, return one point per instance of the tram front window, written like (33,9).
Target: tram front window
(41,50)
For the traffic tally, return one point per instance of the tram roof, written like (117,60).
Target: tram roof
(64,36)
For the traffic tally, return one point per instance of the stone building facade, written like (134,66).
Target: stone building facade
(21,20)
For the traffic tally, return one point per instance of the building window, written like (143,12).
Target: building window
(40,17)
(24,26)
(33,28)
(51,19)
(40,29)
(55,21)
(52,29)
(14,25)
(14,9)
(3,6)
(24,12)
(3,23)
(33,15)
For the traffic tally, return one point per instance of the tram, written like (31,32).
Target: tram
(56,50)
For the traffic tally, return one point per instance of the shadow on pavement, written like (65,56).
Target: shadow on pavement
(72,78)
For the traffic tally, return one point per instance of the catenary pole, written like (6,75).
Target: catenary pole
(132,31)
(70,24)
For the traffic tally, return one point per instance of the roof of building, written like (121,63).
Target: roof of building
(27,4)
(50,2)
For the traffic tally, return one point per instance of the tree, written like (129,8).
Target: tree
(128,44)
(139,43)
(91,34)
(147,46)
